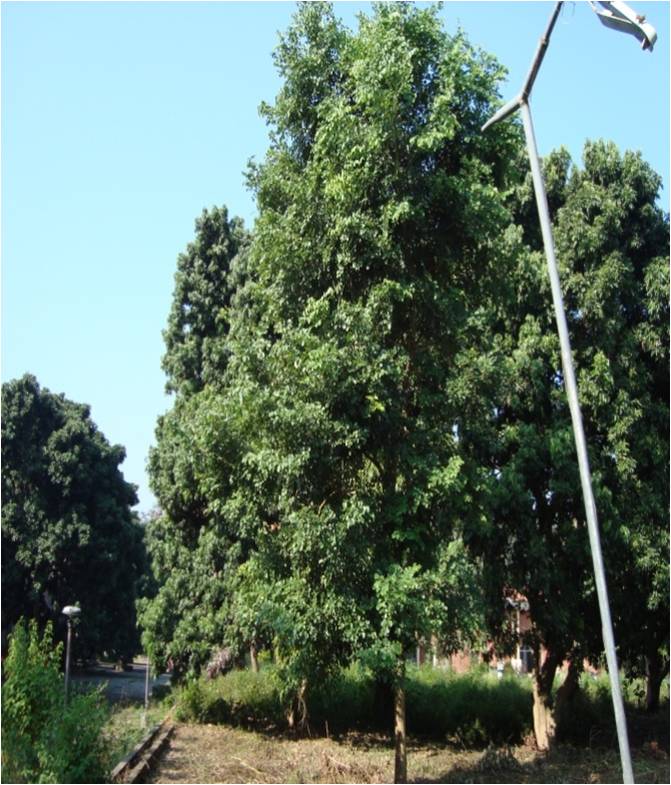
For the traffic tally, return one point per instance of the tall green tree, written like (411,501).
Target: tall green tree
(327,449)
(379,220)
(68,532)
(612,247)
(186,618)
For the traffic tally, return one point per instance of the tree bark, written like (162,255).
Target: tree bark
(297,716)
(434,651)
(253,659)
(572,681)
(567,691)
(656,667)
(543,715)
(401,757)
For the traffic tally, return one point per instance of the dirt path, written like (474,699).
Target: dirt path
(213,753)
(218,754)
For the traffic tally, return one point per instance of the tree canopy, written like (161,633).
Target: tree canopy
(199,315)
(327,449)
(68,533)
(612,247)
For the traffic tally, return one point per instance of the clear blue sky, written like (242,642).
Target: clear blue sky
(121,121)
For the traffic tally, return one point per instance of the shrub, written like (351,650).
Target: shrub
(346,701)
(474,709)
(190,704)
(43,739)
(588,719)
(239,697)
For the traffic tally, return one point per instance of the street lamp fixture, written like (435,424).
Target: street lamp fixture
(71,612)
(618,16)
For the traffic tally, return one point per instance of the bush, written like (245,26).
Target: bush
(346,701)
(588,718)
(240,698)
(474,709)
(43,739)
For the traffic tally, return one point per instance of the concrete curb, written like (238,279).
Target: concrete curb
(139,760)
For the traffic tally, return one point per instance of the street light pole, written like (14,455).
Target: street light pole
(71,612)
(620,17)
(581,449)
(146,694)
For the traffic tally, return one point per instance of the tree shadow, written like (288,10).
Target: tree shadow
(564,764)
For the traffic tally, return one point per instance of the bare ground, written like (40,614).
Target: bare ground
(220,754)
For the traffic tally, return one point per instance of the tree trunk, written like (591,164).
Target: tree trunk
(655,670)
(544,721)
(383,703)
(571,683)
(401,758)
(567,692)
(297,716)
(253,659)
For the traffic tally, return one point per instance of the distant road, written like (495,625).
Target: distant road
(121,685)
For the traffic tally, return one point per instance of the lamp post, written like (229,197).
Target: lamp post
(71,612)
(616,15)
(146,694)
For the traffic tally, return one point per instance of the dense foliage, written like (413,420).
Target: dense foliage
(370,445)
(68,533)
(612,246)
(327,454)
(43,738)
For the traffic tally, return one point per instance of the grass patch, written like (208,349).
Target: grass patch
(126,727)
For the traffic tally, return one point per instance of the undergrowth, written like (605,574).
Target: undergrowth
(44,737)
(474,709)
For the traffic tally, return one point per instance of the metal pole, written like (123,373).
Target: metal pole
(67,660)
(581,445)
(146,686)
(540,52)
(146,693)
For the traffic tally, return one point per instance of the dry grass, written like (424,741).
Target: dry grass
(215,753)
